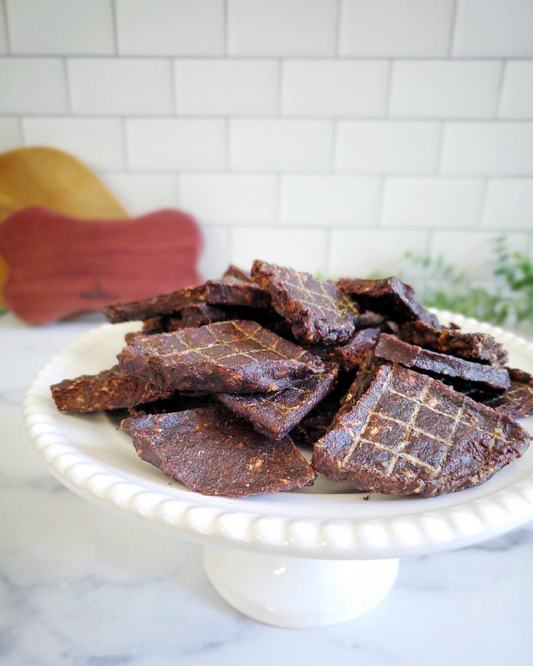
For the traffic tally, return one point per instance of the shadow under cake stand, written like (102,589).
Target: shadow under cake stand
(314,557)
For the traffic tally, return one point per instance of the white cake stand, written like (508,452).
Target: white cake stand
(314,557)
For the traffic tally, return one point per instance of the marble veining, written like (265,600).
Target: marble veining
(81,586)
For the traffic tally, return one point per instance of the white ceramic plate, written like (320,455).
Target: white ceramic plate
(91,457)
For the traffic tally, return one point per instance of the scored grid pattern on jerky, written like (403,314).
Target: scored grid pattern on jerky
(413,422)
(274,414)
(318,311)
(235,356)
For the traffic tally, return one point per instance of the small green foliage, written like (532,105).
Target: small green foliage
(506,299)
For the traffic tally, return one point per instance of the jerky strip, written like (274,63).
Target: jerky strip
(274,414)
(236,272)
(234,291)
(157,306)
(412,356)
(227,357)
(214,453)
(480,347)
(352,355)
(389,297)
(109,389)
(318,311)
(411,434)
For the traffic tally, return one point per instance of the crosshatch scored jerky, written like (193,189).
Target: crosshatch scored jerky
(389,297)
(109,389)
(412,356)
(317,311)
(274,414)
(214,453)
(411,434)
(227,357)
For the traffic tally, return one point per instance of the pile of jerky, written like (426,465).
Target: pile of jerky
(226,378)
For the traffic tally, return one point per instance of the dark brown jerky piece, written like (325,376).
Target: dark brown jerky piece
(227,357)
(480,347)
(517,402)
(411,434)
(214,453)
(353,354)
(389,297)
(314,426)
(391,348)
(109,389)
(230,290)
(316,423)
(199,314)
(236,272)
(157,306)
(275,414)
(318,311)
(370,320)
(177,402)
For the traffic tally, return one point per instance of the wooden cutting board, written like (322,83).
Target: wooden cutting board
(60,265)
(39,176)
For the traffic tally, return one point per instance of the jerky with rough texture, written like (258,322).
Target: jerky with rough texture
(109,389)
(318,311)
(391,348)
(480,347)
(214,453)
(353,354)
(390,297)
(157,306)
(231,290)
(275,414)
(516,402)
(227,357)
(411,434)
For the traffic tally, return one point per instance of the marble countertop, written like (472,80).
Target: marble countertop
(81,586)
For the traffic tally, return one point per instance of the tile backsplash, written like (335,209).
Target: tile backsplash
(331,135)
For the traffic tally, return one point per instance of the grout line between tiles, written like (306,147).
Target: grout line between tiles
(3,9)
(66,79)
(281,74)
(267,56)
(338,19)
(114,18)
(174,87)
(499,93)
(388,92)
(452,28)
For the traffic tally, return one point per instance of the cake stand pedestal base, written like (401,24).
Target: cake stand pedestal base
(295,592)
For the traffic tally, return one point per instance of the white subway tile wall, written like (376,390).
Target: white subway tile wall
(332,135)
